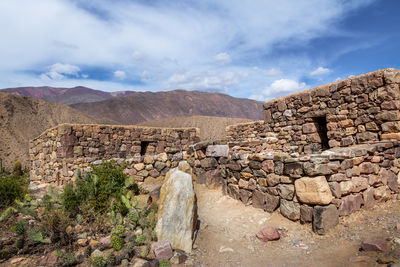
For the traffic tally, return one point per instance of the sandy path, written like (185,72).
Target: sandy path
(228,228)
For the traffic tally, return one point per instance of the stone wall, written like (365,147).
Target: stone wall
(58,152)
(313,189)
(357,110)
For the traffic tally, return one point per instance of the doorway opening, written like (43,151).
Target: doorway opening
(143,147)
(320,123)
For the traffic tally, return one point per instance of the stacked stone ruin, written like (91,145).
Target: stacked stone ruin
(319,154)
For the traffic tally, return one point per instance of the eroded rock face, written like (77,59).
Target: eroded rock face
(313,190)
(177,214)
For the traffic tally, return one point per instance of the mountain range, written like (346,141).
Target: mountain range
(128,107)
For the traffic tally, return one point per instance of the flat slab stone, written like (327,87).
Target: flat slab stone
(217,151)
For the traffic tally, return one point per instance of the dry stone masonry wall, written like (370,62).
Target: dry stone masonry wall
(318,155)
(357,110)
(57,153)
(315,188)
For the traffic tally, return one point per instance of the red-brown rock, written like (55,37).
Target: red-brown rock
(268,233)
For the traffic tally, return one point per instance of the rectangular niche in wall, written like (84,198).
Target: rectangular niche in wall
(320,123)
(143,147)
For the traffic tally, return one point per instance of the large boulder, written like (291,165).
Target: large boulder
(313,190)
(177,212)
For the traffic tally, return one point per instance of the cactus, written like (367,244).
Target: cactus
(125,200)
(117,243)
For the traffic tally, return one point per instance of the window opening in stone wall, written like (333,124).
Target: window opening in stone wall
(320,123)
(143,147)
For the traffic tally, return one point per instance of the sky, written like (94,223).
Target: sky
(259,49)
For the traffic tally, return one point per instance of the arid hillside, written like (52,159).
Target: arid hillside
(64,95)
(211,128)
(23,118)
(145,106)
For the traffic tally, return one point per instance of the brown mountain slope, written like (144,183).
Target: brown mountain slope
(23,118)
(67,96)
(211,128)
(145,106)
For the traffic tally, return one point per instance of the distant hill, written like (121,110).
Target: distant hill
(211,128)
(23,118)
(64,95)
(145,106)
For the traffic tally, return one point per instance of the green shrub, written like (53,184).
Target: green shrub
(99,262)
(119,230)
(7,213)
(35,235)
(69,199)
(20,227)
(133,217)
(11,188)
(17,169)
(117,243)
(141,239)
(165,263)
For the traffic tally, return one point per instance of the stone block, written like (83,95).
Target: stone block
(290,209)
(309,128)
(258,199)
(271,202)
(233,191)
(162,250)
(217,151)
(350,204)
(324,218)
(359,184)
(306,214)
(245,196)
(286,191)
(209,163)
(268,166)
(313,190)
(335,189)
(293,169)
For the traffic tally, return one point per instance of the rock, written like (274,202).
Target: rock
(382,193)
(162,250)
(179,257)
(105,240)
(361,259)
(258,199)
(97,253)
(152,263)
(209,163)
(143,201)
(138,262)
(324,218)
(293,169)
(313,190)
(50,259)
(177,212)
(17,260)
(82,242)
(350,204)
(374,245)
(139,166)
(286,191)
(290,209)
(268,166)
(124,263)
(392,182)
(268,233)
(271,202)
(306,214)
(212,179)
(217,151)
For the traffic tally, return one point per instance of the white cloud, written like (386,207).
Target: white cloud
(278,88)
(58,71)
(320,71)
(164,39)
(216,81)
(223,58)
(120,74)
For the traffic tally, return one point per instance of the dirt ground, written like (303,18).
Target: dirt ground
(228,227)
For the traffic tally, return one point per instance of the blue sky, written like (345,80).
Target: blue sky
(256,49)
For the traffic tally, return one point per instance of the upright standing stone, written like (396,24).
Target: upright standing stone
(177,214)
(325,218)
